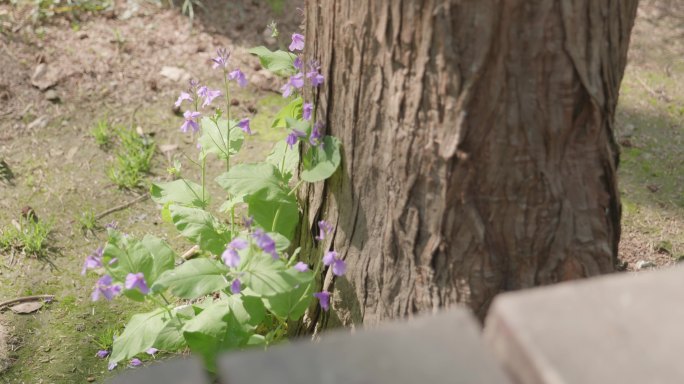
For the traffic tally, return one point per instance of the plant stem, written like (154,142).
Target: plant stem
(275,219)
(226,85)
(203,166)
(295,187)
(282,164)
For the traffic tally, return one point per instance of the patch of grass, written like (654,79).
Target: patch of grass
(45,9)
(133,159)
(87,221)
(29,236)
(102,134)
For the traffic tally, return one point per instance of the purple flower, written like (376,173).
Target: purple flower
(298,63)
(105,288)
(244,125)
(324,228)
(323,299)
(102,353)
(183,96)
(315,138)
(92,261)
(265,242)
(292,138)
(221,59)
(315,78)
(297,80)
(297,42)
(339,267)
(137,280)
(112,225)
(239,77)
(208,95)
(301,267)
(135,362)
(236,286)
(248,221)
(306,111)
(111,366)
(286,89)
(190,121)
(151,351)
(230,256)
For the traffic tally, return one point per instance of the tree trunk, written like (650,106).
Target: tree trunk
(478,153)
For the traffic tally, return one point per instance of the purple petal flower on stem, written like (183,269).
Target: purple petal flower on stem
(239,77)
(244,125)
(323,299)
(298,63)
(315,78)
(92,261)
(329,258)
(297,80)
(286,89)
(307,109)
(104,287)
(221,59)
(315,138)
(190,121)
(183,97)
(265,242)
(324,228)
(151,351)
(297,43)
(208,95)
(230,256)
(112,225)
(292,138)
(137,280)
(236,286)
(102,353)
(135,362)
(301,267)
(111,366)
(339,267)
(248,221)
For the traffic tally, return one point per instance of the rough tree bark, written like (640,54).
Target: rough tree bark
(478,147)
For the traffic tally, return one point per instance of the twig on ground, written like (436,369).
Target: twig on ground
(25,299)
(190,253)
(122,206)
(662,96)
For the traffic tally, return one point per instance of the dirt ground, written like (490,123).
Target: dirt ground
(61,74)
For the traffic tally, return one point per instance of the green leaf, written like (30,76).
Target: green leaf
(214,138)
(292,110)
(319,164)
(193,279)
(171,338)
(284,159)
(230,203)
(200,227)
(139,335)
(225,324)
(279,62)
(164,257)
(245,179)
(292,305)
(180,191)
(269,277)
(279,213)
(131,257)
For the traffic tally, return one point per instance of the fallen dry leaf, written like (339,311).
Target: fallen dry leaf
(29,307)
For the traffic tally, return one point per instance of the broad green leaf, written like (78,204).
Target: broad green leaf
(291,305)
(292,110)
(131,257)
(282,243)
(279,213)
(171,338)
(225,324)
(319,164)
(215,139)
(180,191)
(300,125)
(230,203)
(279,62)
(284,159)
(245,179)
(200,227)
(164,257)
(193,279)
(269,277)
(139,335)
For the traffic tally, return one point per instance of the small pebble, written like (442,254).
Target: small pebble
(643,264)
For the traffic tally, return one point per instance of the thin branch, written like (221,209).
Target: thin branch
(122,206)
(24,300)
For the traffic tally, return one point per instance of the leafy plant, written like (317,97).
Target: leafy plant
(102,134)
(88,221)
(133,159)
(29,236)
(245,286)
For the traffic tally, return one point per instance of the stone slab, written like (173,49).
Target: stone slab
(445,348)
(622,328)
(173,371)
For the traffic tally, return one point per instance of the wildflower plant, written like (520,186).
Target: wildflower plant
(244,287)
